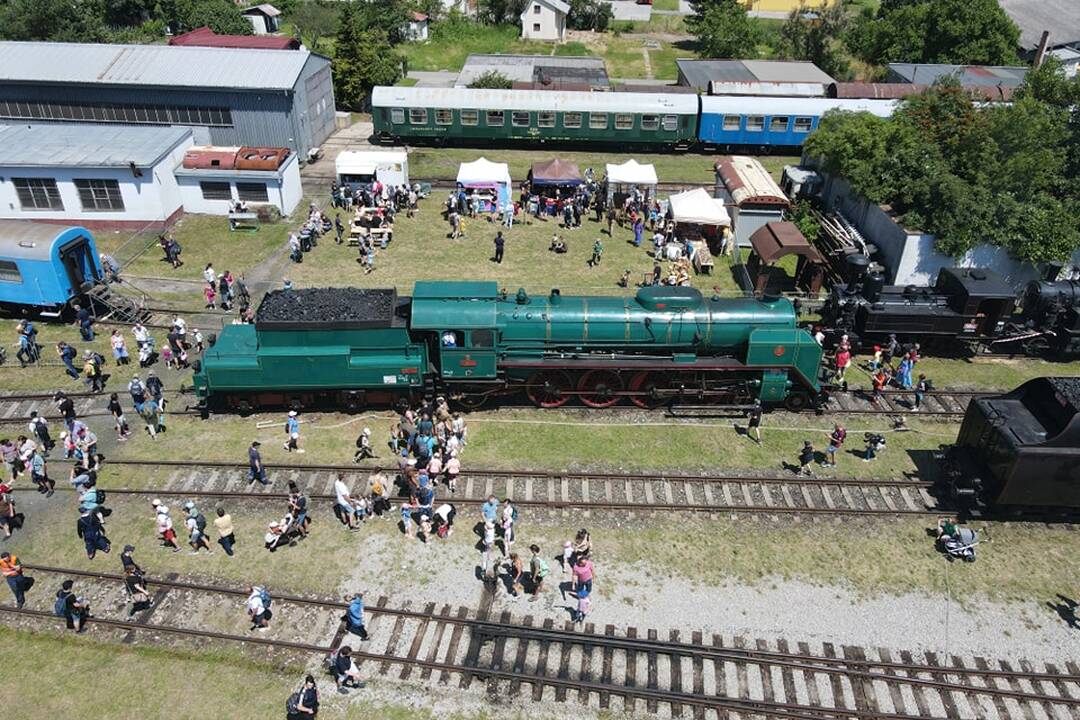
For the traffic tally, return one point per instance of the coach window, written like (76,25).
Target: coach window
(545,119)
(495,118)
(418,116)
(650,122)
(803,124)
(519,118)
(671,123)
(9,272)
(444,117)
(598,121)
(779,123)
(732,122)
(397,116)
(571,120)
(470,117)
(755,123)
(624,121)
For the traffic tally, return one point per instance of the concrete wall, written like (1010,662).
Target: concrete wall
(153,199)
(910,257)
(552,24)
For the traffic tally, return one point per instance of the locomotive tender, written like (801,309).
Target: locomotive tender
(352,347)
(1019,450)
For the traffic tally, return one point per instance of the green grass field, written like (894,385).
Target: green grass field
(450,53)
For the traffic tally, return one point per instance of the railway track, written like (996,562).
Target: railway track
(539,660)
(715,493)
(947,403)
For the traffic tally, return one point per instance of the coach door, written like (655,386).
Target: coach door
(80,264)
(467,353)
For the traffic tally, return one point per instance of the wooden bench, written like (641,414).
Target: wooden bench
(359,231)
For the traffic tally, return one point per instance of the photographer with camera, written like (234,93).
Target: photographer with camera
(875,443)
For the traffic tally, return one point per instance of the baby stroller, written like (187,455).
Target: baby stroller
(961,545)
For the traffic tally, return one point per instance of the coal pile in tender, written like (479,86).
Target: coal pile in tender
(1069,388)
(327,306)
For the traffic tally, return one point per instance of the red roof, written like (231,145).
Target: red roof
(205,37)
(419,17)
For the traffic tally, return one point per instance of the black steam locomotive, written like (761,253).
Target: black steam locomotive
(1020,450)
(967,309)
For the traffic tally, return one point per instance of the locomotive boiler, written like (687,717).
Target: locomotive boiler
(352,347)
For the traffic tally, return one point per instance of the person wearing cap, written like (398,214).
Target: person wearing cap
(256,469)
(165,525)
(196,526)
(128,561)
(292,430)
(363,446)
(277,533)
(92,373)
(12,570)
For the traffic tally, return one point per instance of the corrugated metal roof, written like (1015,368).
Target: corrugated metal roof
(699,73)
(527,68)
(748,181)
(757,88)
(55,145)
(465,98)
(205,37)
(1008,76)
(557,5)
(1060,17)
(264,8)
(990,93)
(152,65)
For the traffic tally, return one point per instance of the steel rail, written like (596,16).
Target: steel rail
(808,663)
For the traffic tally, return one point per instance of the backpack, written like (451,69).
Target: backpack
(544,569)
(292,705)
(513,514)
(200,522)
(60,606)
(265,597)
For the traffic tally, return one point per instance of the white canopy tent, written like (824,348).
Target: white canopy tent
(622,179)
(698,207)
(391,167)
(482,174)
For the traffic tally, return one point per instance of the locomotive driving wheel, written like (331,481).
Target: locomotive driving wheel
(646,386)
(600,388)
(549,388)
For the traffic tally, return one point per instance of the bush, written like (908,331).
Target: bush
(492,80)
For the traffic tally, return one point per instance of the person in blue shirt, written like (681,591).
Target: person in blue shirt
(292,429)
(354,616)
(490,509)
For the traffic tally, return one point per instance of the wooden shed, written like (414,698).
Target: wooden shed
(776,240)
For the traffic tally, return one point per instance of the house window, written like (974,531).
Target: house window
(9,272)
(803,124)
(598,121)
(252,192)
(418,116)
(755,123)
(624,121)
(397,116)
(671,123)
(519,118)
(536,9)
(215,190)
(732,122)
(495,118)
(470,117)
(444,117)
(38,193)
(99,195)
(650,122)
(545,118)
(536,27)
(779,123)
(571,120)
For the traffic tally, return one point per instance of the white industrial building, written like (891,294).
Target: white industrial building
(97,176)
(121,177)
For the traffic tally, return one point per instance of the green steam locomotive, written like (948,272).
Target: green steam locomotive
(353,348)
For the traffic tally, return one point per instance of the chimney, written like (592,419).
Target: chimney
(1040,53)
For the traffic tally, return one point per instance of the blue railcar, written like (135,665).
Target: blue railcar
(44,268)
(773,122)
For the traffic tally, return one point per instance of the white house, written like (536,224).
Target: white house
(210,188)
(265,19)
(97,176)
(416,29)
(544,20)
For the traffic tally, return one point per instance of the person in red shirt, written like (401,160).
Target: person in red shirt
(836,439)
(12,571)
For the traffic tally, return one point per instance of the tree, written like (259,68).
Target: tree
(313,20)
(501,12)
(589,15)
(388,17)
(816,37)
(221,16)
(363,58)
(723,29)
(963,32)
(492,79)
(56,20)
